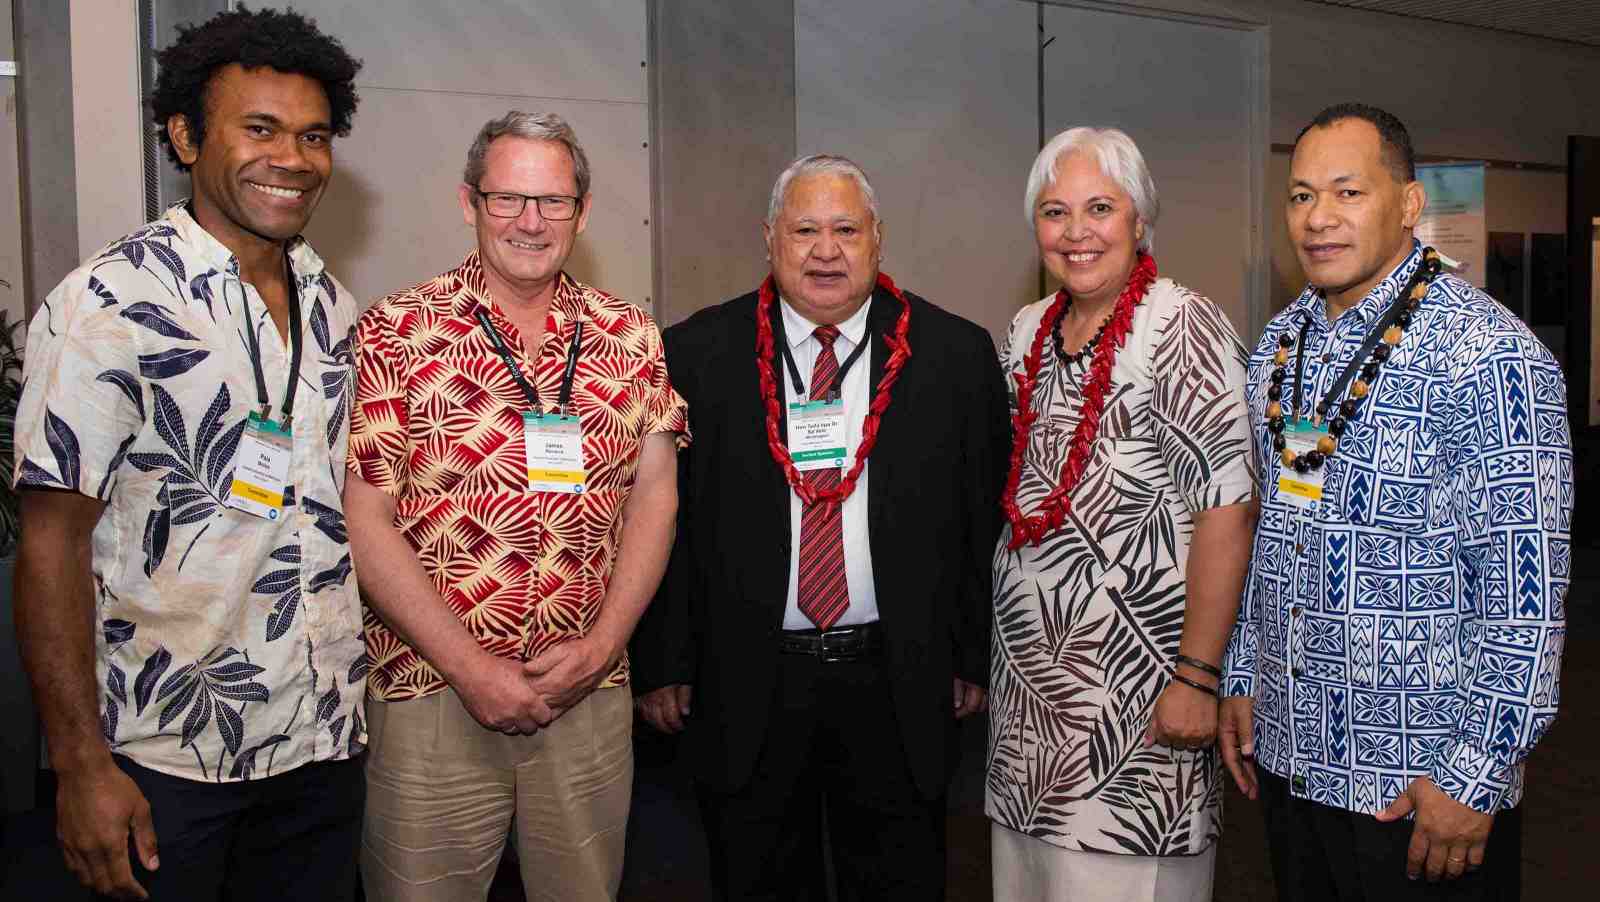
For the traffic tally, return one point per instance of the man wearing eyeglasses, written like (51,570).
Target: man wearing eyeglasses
(511,503)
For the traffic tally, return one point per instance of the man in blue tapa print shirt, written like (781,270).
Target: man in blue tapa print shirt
(185,603)
(1398,650)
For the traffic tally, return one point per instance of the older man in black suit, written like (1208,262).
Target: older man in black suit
(824,622)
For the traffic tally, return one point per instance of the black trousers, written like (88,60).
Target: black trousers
(833,751)
(1323,853)
(291,836)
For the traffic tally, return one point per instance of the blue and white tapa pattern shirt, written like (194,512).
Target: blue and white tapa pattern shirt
(228,646)
(1411,623)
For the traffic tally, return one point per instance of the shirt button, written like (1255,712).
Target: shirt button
(1299,548)
(1297,610)
(1326,357)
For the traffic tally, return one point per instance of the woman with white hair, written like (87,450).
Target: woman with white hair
(1130,461)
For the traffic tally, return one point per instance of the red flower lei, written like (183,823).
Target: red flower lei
(899,352)
(1056,505)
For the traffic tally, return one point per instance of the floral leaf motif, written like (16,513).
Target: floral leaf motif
(149,674)
(199,714)
(319,325)
(242,692)
(336,727)
(157,531)
(157,319)
(186,689)
(200,290)
(357,728)
(170,259)
(108,720)
(333,576)
(178,681)
(134,251)
(118,631)
(221,455)
(111,468)
(117,684)
(102,292)
(287,554)
(244,766)
(358,669)
(326,282)
(169,423)
(330,520)
(64,446)
(171,362)
(282,615)
(230,726)
(129,383)
(30,473)
(329,703)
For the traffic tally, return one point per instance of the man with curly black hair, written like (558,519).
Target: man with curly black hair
(186,608)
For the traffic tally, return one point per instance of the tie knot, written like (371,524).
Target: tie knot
(827,335)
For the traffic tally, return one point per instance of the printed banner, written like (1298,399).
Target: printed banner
(1453,220)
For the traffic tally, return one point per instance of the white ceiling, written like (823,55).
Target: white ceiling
(1566,20)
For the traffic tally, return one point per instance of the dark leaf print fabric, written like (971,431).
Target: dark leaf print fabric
(1087,623)
(139,387)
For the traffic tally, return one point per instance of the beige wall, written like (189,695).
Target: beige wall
(433,74)
(1514,201)
(12,297)
(107,123)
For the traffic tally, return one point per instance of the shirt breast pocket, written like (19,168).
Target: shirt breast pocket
(1388,475)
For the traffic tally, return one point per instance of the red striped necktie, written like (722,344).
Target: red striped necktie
(823,593)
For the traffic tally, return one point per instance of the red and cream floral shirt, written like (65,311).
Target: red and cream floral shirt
(437,423)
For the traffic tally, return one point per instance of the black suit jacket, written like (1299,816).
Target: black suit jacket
(933,486)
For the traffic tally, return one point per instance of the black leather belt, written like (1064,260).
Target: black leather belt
(846,643)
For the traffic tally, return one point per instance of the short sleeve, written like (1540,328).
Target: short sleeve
(665,409)
(379,420)
(83,400)
(1202,422)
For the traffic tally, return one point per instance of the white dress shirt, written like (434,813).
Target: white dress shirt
(857,394)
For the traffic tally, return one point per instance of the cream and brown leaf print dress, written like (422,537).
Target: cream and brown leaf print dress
(1088,621)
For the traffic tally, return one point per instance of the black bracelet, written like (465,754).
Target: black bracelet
(1208,690)
(1198,664)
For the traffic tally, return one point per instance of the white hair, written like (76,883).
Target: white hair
(818,164)
(1119,159)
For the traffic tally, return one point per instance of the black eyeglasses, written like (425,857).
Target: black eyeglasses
(505,205)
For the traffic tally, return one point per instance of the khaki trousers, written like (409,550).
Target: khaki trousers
(444,793)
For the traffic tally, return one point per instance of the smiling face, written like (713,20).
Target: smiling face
(1088,230)
(523,256)
(265,159)
(824,247)
(1350,218)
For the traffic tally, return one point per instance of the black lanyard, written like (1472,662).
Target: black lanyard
(1389,318)
(573,350)
(794,371)
(262,402)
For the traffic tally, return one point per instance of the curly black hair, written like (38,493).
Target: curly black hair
(285,41)
(1398,154)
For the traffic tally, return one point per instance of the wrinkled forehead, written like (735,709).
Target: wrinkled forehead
(825,196)
(512,161)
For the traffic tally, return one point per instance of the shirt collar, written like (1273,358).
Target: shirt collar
(567,305)
(302,259)
(1313,302)
(797,329)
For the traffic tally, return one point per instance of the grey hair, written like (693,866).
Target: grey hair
(1119,159)
(536,127)
(818,164)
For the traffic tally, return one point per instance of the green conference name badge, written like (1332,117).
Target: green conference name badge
(263,468)
(554,445)
(1297,489)
(816,434)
